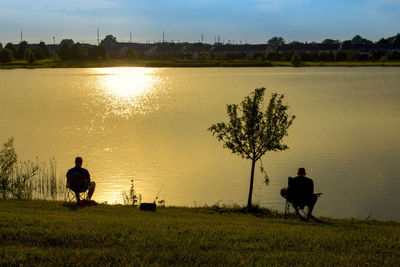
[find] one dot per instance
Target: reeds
(48, 185)
(34, 180)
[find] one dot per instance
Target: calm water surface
(150, 125)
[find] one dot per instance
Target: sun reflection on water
(125, 91)
(127, 82)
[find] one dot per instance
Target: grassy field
(49, 233)
(53, 63)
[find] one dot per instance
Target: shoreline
(257, 211)
(51, 63)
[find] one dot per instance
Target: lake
(150, 125)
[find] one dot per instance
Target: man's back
(300, 189)
(78, 178)
(78, 171)
(303, 184)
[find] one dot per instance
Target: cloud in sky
(254, 20)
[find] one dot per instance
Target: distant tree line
(376, 51)
(69, 50)
(23, 51)
(276, 50)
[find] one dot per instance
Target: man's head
(301, 172)
(78, 161)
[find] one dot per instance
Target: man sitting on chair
(78, 180)
(301, 192)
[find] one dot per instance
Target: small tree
(276, 42)
(131, 197)
(296, 59)
(255, 132)
(8, 159)
(64, 49)
(29, 56)
(109, 41)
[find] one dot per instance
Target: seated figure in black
(300, 192)
(78, 180)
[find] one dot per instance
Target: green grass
(55, 63)
(49, 233)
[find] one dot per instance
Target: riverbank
(49, 233)
(53, 63)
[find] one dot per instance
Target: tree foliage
(20, 53)
(39, 54)
(77, 51)
(97, 52)
(383, 41)
(64, 49)
(29, 56)
(251, 132)
(44, 48)
(395, 39)
(11, 47)
(276, 42)
(296, 59)
(6, 55)
(108, 41)
(273, 55)
(8, 159)
(69, 50)
(330, 41)
(360, 40)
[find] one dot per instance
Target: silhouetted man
(301, 192)
(78, 180)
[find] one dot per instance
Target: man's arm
(88, 176)
(312, 186)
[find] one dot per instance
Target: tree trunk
(253, 164)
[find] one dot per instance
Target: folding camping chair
(291, 203)
(76, 188)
